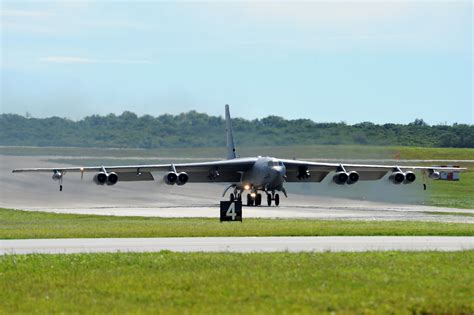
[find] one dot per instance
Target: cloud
(24, 13)
(84, 60)
(348, 25)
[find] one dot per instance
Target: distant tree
(419, 122)
(197, 129)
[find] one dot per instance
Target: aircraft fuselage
(267, 174)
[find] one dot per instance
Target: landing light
(253, 195)
(247, 187)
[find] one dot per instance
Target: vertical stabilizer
(230, 135)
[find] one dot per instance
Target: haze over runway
(37, 192)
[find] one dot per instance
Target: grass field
(303, 283)
(22, 224)
(177, 283)
(300, 151)
(451, 194)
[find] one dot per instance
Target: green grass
(300, 151)
(461, 214)
(17, 224)
(177, 283)
(453, 194)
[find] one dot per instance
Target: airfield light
(247, 187)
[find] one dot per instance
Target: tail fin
(230, 135)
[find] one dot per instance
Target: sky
(329, 61)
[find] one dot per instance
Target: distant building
(450, 175)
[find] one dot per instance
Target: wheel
(269, 200)
(232, 198)
(258, 200)
(277, 200)
(249, 200)
(239, 197)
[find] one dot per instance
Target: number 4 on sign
(231, 211)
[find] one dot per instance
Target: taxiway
(238, 244)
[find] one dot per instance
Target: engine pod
(112, 178)
(182, 178)
(353, 177)
(397, 177)
(100, 178)
(409, 177)
(340, 178)
(171, 178)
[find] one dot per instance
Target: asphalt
(238, 244)
(379, 200)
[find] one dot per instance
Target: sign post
(231, 211)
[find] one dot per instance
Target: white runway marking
(238, 244)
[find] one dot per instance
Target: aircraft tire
(232, 197)
(277, 200)
(269, 200)
(239, 197)
(249, 200)
(258, 200)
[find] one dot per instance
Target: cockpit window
(275, 163)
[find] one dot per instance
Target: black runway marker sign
(231, 211)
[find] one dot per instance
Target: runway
(238, 244)
(379, 200)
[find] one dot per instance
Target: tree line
(193, 129)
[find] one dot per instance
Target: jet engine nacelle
(397, 177)
(104, 178)
(171, 178)
(182, 178)
(340, 178)
(100, 178)
(349, 178)
(353, 178)
(112, 179)
(400, 177)
(409, 177)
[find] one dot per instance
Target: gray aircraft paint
(230, 135)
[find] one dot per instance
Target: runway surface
(238, 244)
(378, 200)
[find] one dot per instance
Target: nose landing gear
(257, 200)
(254, 201)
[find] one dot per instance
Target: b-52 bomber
(252, 175)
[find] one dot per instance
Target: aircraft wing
(296, 169)
(215, 171)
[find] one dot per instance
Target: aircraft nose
(279, 173)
